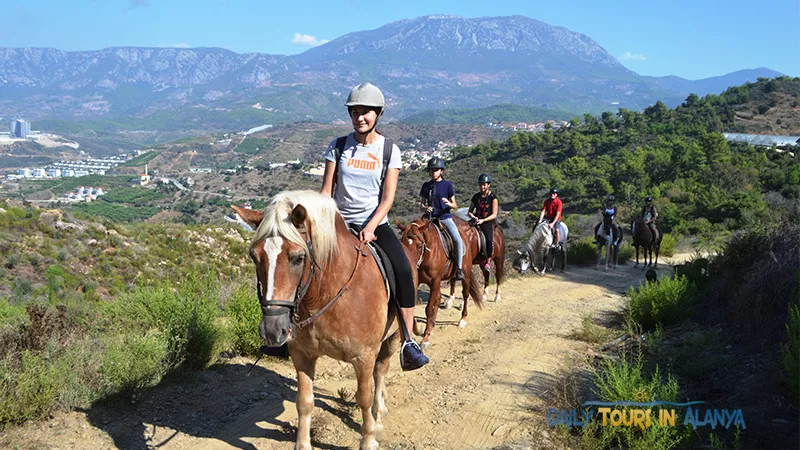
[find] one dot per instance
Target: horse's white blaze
(272, 247)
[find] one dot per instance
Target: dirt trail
(482, 389)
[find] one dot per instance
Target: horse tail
(500, 259)
(476, 291)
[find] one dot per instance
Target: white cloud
(632, 56)
(307, 39)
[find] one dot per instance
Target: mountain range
(425, 63)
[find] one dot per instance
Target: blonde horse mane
(322, 214)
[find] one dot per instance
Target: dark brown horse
(498, 256)
(322, 293)
(643, 237)
(421, 238)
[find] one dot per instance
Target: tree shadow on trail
(220, 403)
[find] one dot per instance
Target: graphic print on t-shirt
(364, 164)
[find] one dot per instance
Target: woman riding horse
(438, 199)
(483, 211)
(364, 198)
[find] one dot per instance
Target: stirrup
(417, 362)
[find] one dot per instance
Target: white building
(53, 172)
(144, 178)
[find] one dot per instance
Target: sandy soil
(484, 387)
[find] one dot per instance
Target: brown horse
(322, 293)
(498, 256)
(421, 239)
(643, 237)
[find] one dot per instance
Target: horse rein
(424, 245)
(279, 307)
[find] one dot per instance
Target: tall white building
(20, 128)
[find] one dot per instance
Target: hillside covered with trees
(702, 184)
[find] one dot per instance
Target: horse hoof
(497, 298)
(447, 303)
(485, 292)
(371, 444)
(462, 323)
(424, 345)
(378, 428)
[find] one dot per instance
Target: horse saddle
(482, 245)
(447, 241)
(384, 264)
(481, 240)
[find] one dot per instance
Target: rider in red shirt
(552, 211)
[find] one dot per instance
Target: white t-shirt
(358, 188)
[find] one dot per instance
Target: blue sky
(691, 39)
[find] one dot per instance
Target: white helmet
(366, 94)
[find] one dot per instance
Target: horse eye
(297, 260)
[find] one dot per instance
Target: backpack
(388, 147)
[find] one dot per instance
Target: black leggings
(487, 228)
(390, 244)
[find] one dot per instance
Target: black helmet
(435, 163)
(648, 200)
(484, 178)
(610, 198)
(554, 190)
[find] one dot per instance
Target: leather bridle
(281, 307)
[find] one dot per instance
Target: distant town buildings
(82, 193)
(19, 128)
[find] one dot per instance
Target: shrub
(582, 252)
(28, 388)
(245, 315)
(23, 288)
(664, 302)
(134, 361)
(623, 380)
(11, 314)
(187, 318)
(35, 259)
(626, 253)
(791, 352)
(668, 245)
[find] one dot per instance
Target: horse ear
(250, 216)
(400, 225)
(298, 215)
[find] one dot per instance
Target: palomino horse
(539, 249)
(421, 238)
(609, 235)
(322, 293)
(498, 256)
(643, 237)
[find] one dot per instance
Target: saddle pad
(447, 241)
(386, 269)
(385, 266)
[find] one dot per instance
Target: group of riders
(364, 192)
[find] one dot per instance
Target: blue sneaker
(411, 356)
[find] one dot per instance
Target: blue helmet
(484, 178)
